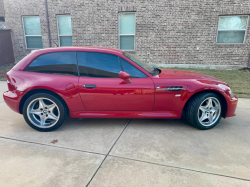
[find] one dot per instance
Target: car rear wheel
(204, 111)
(44, 112)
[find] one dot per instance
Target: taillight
(10, 86)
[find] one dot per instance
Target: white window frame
(58, 28)
(119, 13)
(31, 35)
(232, 30)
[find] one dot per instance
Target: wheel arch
(32, 92)
(221, 96)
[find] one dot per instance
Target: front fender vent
(173, 88)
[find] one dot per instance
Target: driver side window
(99, 65)
(132, 70)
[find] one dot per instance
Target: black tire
(61, 110)
(191, 110)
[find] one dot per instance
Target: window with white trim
(232, 29)
(64, 30)
(127, 31)
(32, 32)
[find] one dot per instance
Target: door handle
(89, 86)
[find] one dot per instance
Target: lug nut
(41, 113)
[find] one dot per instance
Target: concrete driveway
(3, 88)
(124, 152)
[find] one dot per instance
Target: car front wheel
(204, 111)
(44, 112)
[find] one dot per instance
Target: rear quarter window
(60, 63)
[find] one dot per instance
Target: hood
(182, 74)
(191, 79)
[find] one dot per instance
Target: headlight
(231, 92)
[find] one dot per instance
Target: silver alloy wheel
(43, 112)
(209, 111)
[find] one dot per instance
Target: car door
(101, 89)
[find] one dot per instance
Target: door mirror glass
(125, 76)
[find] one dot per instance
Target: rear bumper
(12, 99)
(231, 107)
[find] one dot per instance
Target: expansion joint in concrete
(108, 152)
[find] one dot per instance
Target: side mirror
(125, 76)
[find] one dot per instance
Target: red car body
(112, 97)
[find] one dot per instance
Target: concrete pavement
(26, 164)
(126, 172)
(224, 150)
(124, 152)
(3, 88)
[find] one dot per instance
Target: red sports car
(93, 82)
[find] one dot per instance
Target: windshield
(145, 66)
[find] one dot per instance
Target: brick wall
(172, 32)
(1, 9)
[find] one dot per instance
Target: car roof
(79, 48)
(26, 60)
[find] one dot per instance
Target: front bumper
(12, 99)
(231, 107)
